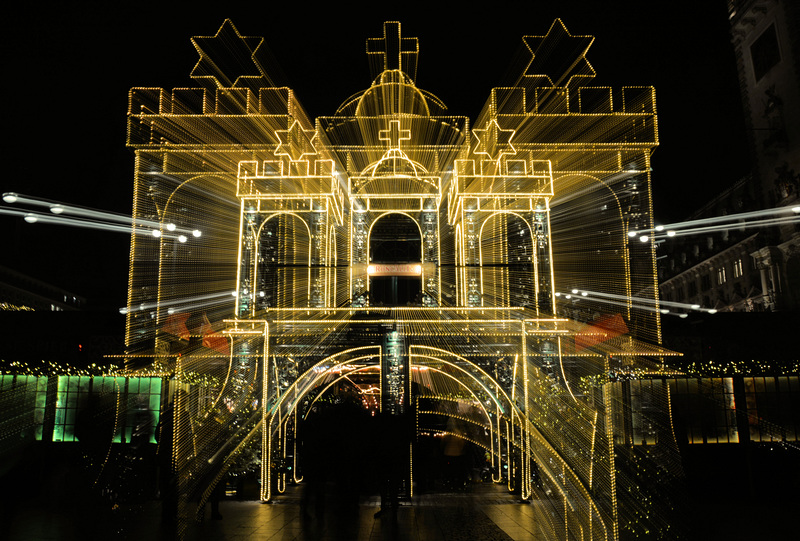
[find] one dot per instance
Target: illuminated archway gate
(259, 206)
(282, 405)
(566, 492)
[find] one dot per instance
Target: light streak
(40, 218)
(758, 218)
(183, 303)
(87, 217)
(643, 307)
(643, 300)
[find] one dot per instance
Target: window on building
(22, 405)
(705, 282)
(721, 278)
(144, 405)
(97, 397)
(705, 409)
(723, 427)
(645, 410)
(773, 408)
(738, 268)
(765, 52)
(72, 390)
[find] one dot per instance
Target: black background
(69, 66)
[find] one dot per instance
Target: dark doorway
(395, 290)
(395, 238)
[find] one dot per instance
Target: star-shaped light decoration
(228, 59)
(559, 56)
(296, 142)
(494, 141)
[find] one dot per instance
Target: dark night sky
(69, 67)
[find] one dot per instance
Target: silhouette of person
(392, 434)
(168, 478)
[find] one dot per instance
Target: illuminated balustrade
(268, 184)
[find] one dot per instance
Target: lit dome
(395, 163)
(392, 92)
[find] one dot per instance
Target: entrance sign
(394, 269)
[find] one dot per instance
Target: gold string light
(273, 300)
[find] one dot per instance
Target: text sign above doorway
(394, 269)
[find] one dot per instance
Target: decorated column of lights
(276, 303)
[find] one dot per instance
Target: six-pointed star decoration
(296, 142)
(227, 57)
(559, 56)
(494, 141)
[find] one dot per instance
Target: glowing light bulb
(182, 238)
(670, 233)
(644, 238)
(575, 291)
(712, 311)
(196, 233)
(632, 233)
(659, 228)
(10, 197)
(170, 227)
(156, 233)
(31, 218)
(57, 209)
(695, 306)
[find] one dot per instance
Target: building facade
(752, 269)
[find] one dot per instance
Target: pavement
(484, 513)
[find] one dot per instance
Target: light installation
(414, 258)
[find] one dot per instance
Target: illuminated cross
(394, 134)
(394, 47)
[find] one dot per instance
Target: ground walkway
(485, 513)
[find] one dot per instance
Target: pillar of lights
(396, 248)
